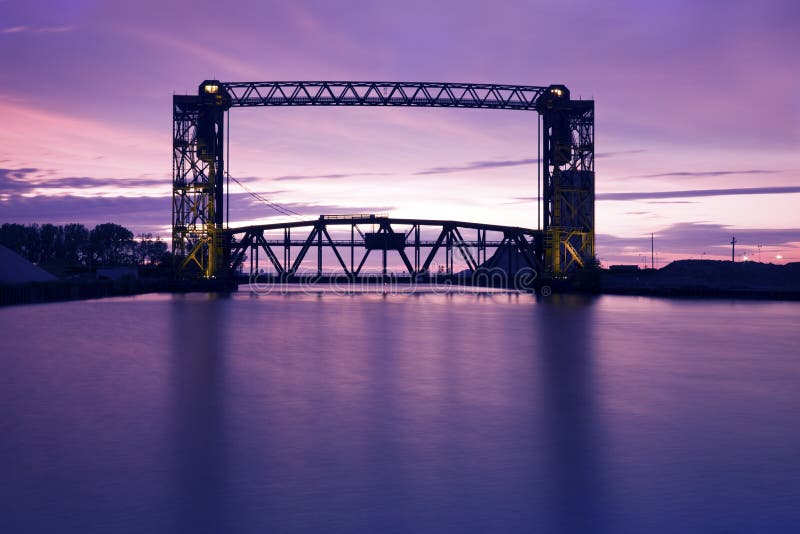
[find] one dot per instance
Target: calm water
(405, 413)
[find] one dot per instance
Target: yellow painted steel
(211, 230)
(575, 255)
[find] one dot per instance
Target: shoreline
(69, 290)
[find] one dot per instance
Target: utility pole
(652, 248)
(733, 248)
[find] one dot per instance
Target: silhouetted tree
(76, 243)
(14, 237)
(24, 240)
(150, 250)
(51, 243)
(111, 244)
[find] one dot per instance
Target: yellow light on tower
(211, 88)
(556, 91)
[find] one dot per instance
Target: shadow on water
(575, 453)
(198, 415)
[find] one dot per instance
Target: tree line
(74, 244)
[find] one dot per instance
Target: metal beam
(335, 250)
(303, 251)
(417, 94)
(270, 254)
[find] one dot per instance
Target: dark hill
(708, 277)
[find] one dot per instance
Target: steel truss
(520, 247)
(458, 95)
(568, 185)
(198, 168)
(203, 247)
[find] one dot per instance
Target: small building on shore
(117, 273)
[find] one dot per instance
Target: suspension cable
(539, 172)
(261, 198)
(228, 173)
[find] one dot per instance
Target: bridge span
(205, 246)
(411, 244)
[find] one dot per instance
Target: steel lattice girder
(524, 241)
(420, 94)
(189, 186)
(197, 187)
(568, 169)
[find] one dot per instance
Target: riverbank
(81, 289)
(684, 278)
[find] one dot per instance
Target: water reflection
(399, 413)
(579, 498)
(198, 413)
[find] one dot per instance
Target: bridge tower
(199, 240)
(568, 179)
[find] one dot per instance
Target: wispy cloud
(28, 180)
(690, 193)
(296, 177)
(620, 153)
(705, 174)
(210, 56)
(477, 165)
(34, 29)
(494, 164)
(694, 237)
(464, 167)
(146, 214)
(671, 202)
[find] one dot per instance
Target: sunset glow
(688, 145)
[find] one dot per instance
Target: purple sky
(697, 126)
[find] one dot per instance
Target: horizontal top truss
(419, 94)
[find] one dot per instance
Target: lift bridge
(205, 246)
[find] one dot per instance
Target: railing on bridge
(354, 216)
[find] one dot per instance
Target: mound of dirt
(14, 269)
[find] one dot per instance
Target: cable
(539, 173)
(228, 173)
(277, 207)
